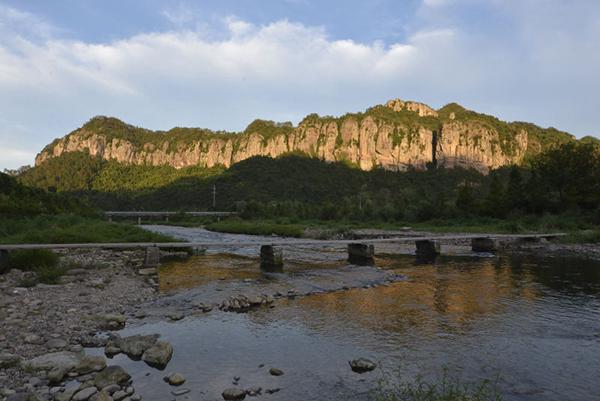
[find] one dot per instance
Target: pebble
(233, 394)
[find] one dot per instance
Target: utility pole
(214, 196)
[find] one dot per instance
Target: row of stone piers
(271, 256)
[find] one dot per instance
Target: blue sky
(220, 64)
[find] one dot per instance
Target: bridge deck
(274, 241)
(164, 213)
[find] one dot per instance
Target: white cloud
(285, 70)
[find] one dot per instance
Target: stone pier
(271, 258)
(484, 245)
(427, 248)
(4, 254)
(361, 254)
(152, 258)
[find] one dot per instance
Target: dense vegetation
(564, 180)
(34, 215)
(19, 200)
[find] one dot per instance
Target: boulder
(159, 355)
(111, 375)
(362, 365)
(63, 360)
(89, 364)
(135, 346)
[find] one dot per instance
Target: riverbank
(104, 288)
(578, 232)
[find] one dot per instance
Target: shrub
(30, 259)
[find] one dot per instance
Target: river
(529, 324)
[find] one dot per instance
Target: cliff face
(393, 136)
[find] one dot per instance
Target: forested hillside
(560, 179)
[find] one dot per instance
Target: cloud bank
(544, 69)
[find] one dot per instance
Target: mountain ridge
(396, 136)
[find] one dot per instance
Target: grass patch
(446, 389)
(50, 275)
(63, 229)
(42, 262)
(28, 259)
(582, 237)
(257, 227)
(578, 230)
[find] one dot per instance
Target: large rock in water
(362, 365)
(159, 355)
(134, 346)
(111, 375)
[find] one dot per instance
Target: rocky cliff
(393, 136)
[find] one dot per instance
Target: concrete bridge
(359, 251)
(139, 214)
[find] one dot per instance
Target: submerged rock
(159, 355)
(362, 365)
(242, 303)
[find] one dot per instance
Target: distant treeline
(564, 178)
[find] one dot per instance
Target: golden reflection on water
(197, 271)
(451, 297)
(451, 293)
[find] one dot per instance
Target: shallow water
(532, 324)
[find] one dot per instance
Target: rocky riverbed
(47, 328)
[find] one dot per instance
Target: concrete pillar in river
(4, 254)
(271, 258)
(152, 258)
(484, 244)
(361, 254)
(427, 247)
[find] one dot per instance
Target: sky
(220, 64)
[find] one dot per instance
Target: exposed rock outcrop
(394, 136)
